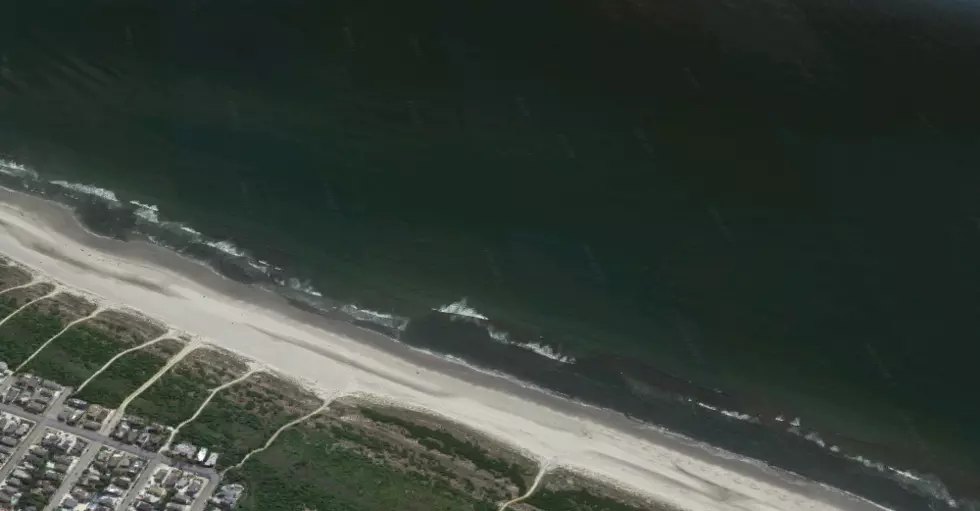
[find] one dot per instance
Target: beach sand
(333, 357)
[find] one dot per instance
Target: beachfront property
(32, 393)
(169, 488)
(196, 455)
(42, 469)
(76, 412)
(226, 497)
(105, 481)
(139, 432)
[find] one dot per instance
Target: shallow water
(769, 208)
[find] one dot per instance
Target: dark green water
(778, 201)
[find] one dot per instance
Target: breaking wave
(463, 311)
(12, 168)
(102, 193)
(379, 318)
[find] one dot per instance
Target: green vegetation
(578, 500)
(75, 355)
(123, 377)
(235, 423)
(306, 468)
(174, 397)
(22, 334)
(7, 306)
(447, 443)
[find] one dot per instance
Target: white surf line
(117, 415)
(204, 405)
(32, 302)
(275, 435)
(534, 486)
(168, 335)
(97, 310)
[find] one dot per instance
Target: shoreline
(167, 287)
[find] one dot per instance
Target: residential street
(97, 440)
(74, 474)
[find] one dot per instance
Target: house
(202, 454)
(6, 450)
(22, 429)
(121, 431)
(50, 385)
(22, 475)
(80, 495)
(69, 503)
(34, 407)
(77, 449)
(171, 479)
(94, 426)
(61, 468)
(9, 441)
(98, 413)
(212, 460)
(76, 403)
(143, 506)
(194, 488)
(184, 449)
(10, 428)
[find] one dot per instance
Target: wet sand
(331, 356)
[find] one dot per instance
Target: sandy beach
(336, 357)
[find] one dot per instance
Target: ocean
(755, 223)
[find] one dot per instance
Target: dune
(330, 357)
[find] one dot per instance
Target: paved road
(140, 482)
(205, 496)
(72, 477)
(28, 440)
(153, 458)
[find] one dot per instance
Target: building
(212, 460)
(184, 449)
(202, 454)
